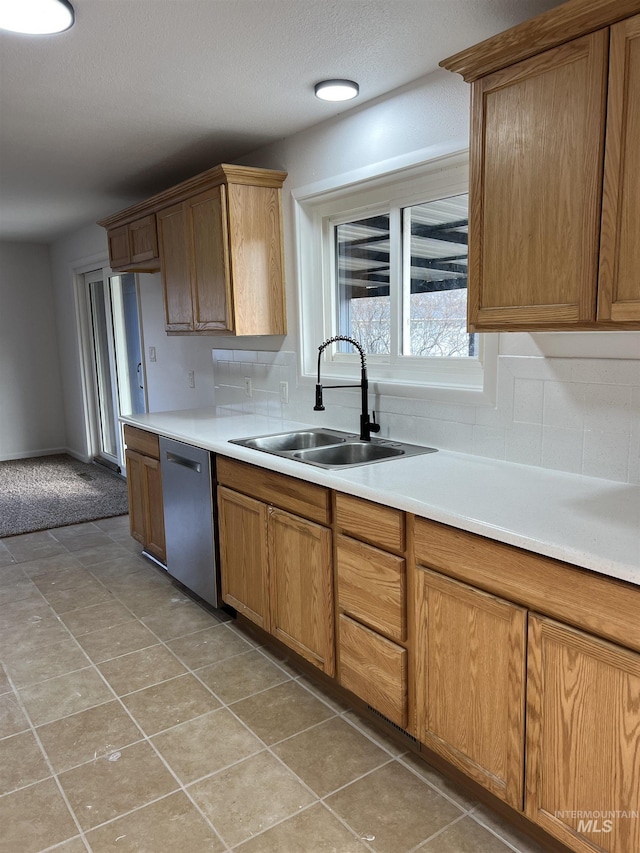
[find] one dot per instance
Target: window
(385, 261)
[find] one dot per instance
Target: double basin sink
(327, 448)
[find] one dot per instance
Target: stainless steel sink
(326, 448)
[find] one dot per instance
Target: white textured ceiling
(141, 94)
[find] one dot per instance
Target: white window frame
(317, 209)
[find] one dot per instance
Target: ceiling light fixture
(336, 90)
(36, 17)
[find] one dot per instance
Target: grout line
(439, 832)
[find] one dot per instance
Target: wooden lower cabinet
(276, 565)
(242, 524)
(583, 739)
(470, 681)
(301, 588)
(146, 508)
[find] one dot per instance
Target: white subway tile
(488, 441)
(606, 455)
(564, 404)
(607, 408)
(610, 371)
(528, 396)
(523, 444)
(562, 449)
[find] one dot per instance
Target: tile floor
(132, 719)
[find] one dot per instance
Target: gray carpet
(52, 491)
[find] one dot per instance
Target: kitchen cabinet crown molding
(550, 29)
(221, 174)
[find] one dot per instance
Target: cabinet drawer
(372, 586)
(374, 668)
(296, 496)
(371, 522)
(142, 441)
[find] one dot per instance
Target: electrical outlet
(248, 387)
(192, 378)
(284, 392)
(152, 353)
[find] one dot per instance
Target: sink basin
(349, 453)
(288, 441)
(327, 448)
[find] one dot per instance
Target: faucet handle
(373, 425)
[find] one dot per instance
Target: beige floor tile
(62, 561)
(33, 546)
(140, 669)
(34, 818)
(57, 579)
(313, 831)
(96, 618)
(135, 583)
(67, 694)
(88, 735)
(21, 762)
(177, 620)
(281, 711)
(121, 566)
(32, 635)
(209, 743)
(117, 640)
(163, 706)
(283, 659)
(17, 613)
(115, 524)
(395, 807)
(12, 719)
(465, 836)
(442, 783)
(100, 553)
(240, 676)
(9, 574)
(77, 597)
(506, 831)
(330, 755)
(18, 589)
(172, 824)
(6, 558)
(74, 845)
(111, 786)
(250, 797)
(147, 603)
(208, 646)
(29, 667)
(81, 540)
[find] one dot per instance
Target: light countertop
(585, 521)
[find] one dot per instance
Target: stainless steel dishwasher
(187, 491)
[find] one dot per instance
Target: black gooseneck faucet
(367, 425)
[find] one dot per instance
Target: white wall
(31, 411)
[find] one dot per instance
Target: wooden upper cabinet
(619, 293)
(218, 247)
(134, 246)
(583, 739)
(536, 177)
(555, 171)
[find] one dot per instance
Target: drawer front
(375, 669)
(372, 586)
(141, 441)
(288, 493)
(371, 522)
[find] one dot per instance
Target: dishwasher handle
(182, 460)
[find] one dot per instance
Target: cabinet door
(470, 681)
(154, 511)
(301, 588)
(143, 239)
(118, 239)
(136, 489)
(242, 523)
(212, 307)
(619, 286)
(173, 230)
(536, 183)
(583, 739)
(146, 508)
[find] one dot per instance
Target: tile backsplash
(570, 414)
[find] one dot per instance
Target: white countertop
(585, 521)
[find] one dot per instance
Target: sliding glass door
(118, 375)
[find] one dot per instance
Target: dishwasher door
(187, 491)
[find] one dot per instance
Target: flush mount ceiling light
(36, 17)
(336, 90)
